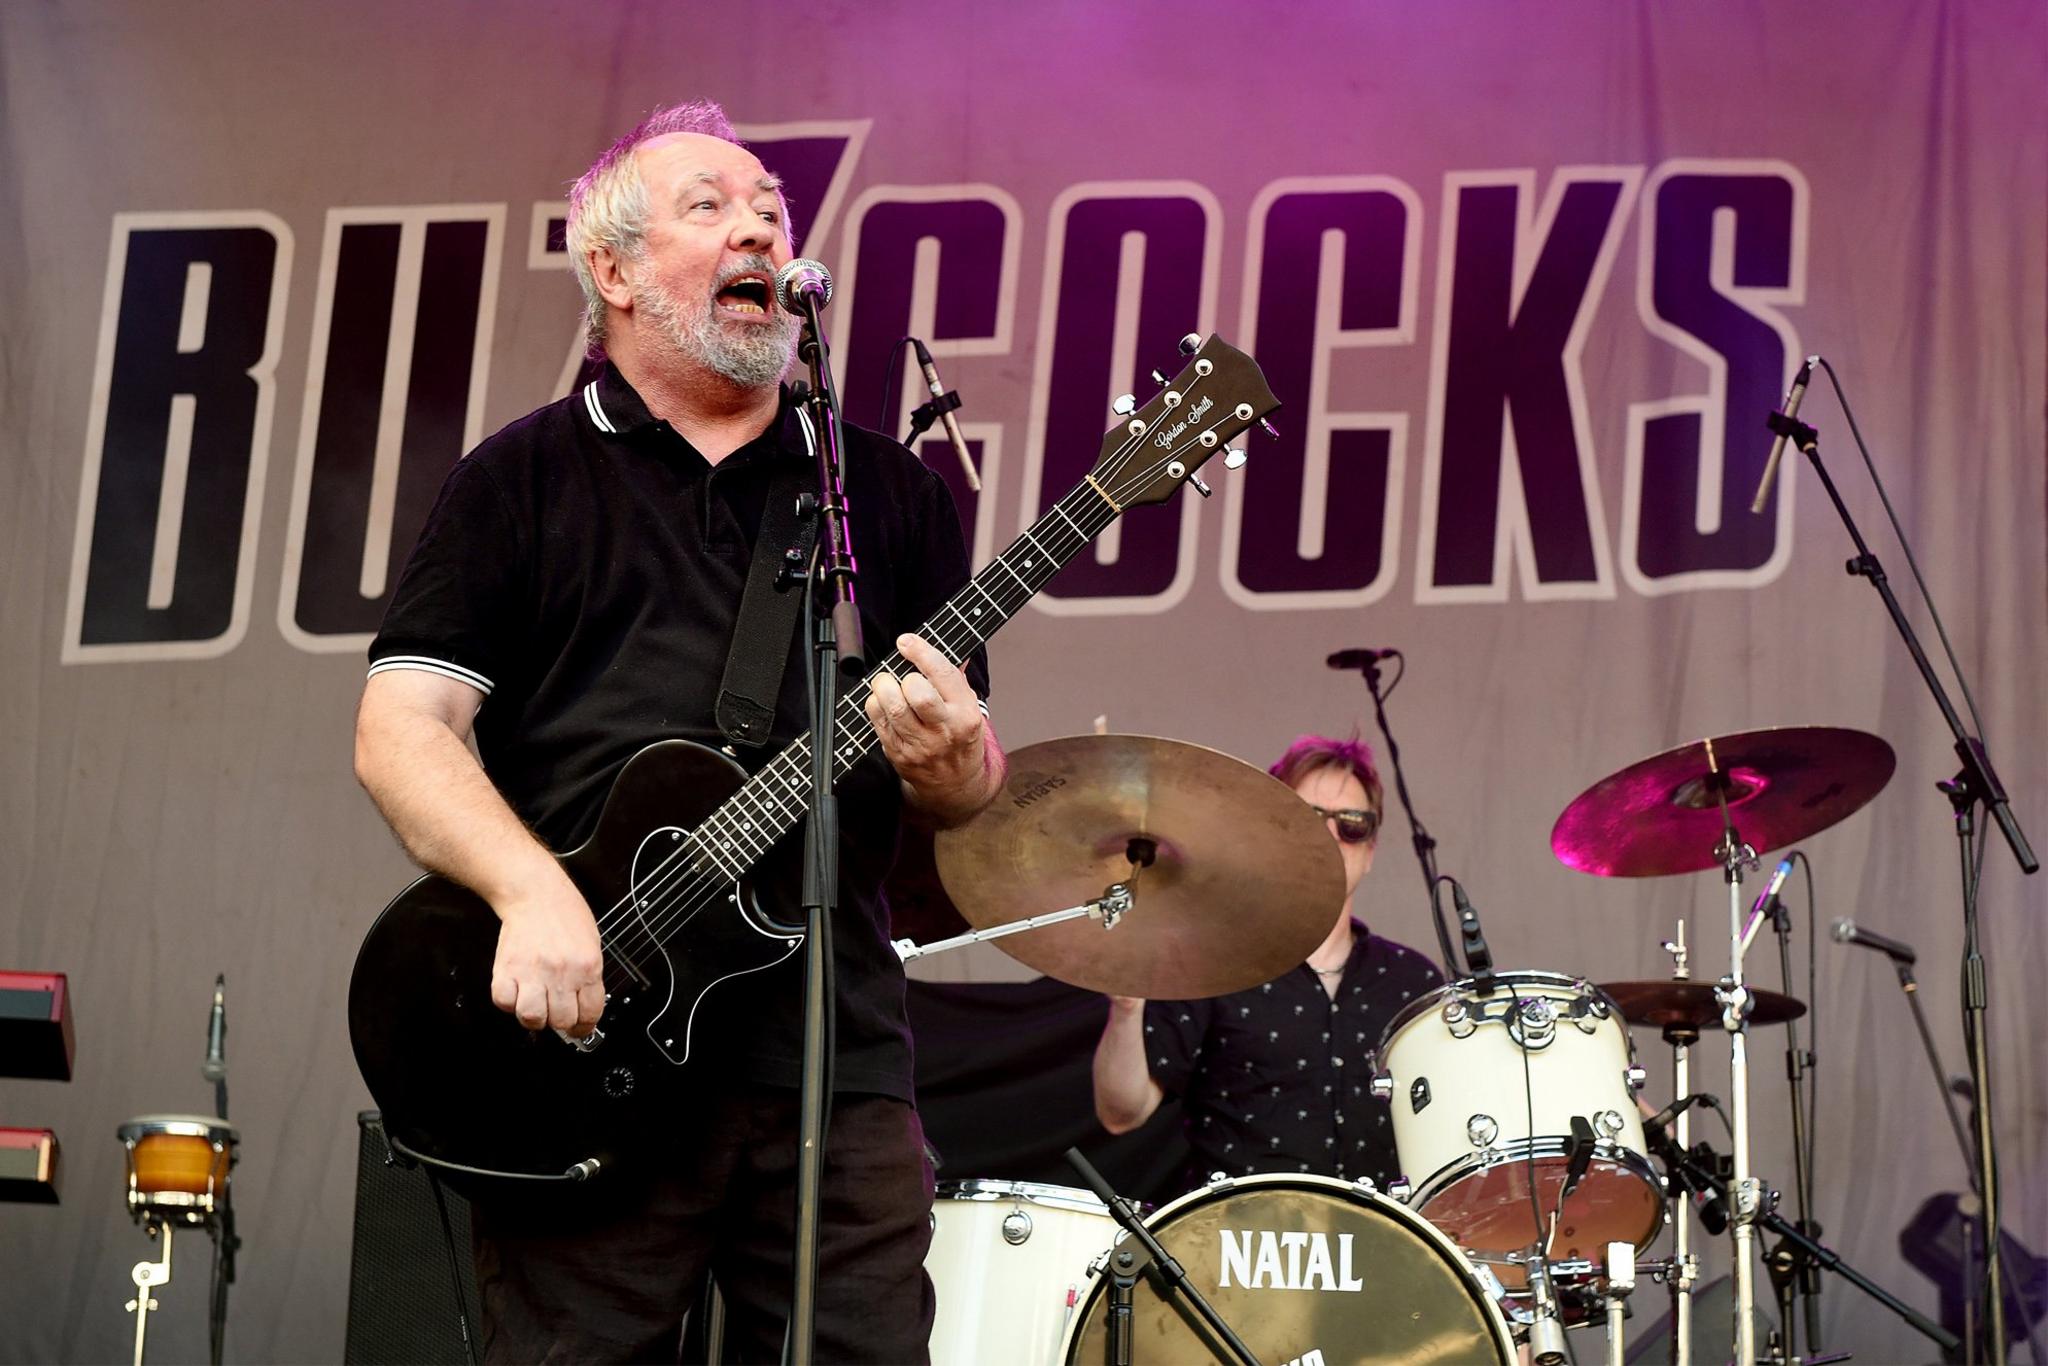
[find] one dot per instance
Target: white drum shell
(1584, 1070)
(1009, 1262)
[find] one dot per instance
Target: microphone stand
(1125, 1266)
(1425, 844)
(1687, 1170)
(838, 654)
(1790, 1267)
(1976, 784)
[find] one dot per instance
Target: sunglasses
(1353, 826)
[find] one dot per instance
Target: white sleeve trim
(434, 666)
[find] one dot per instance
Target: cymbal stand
(1684, 1265)
(147, 1277)
(1745, 1191)
(1116, 900)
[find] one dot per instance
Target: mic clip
(1802, 435)
(925, 414)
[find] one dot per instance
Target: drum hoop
(1363, 1192)
(1432, 1001)
(214, 1131)
(1544, 1148)
(991, 1191)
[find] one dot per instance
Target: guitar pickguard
(738, 934)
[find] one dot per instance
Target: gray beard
(748, 355)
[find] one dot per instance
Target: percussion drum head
(1301, 1264)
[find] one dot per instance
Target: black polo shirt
(583, 568)
(1278, 1078)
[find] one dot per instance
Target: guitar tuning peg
(1159, 379)
(1269, 429)
(1191, 343)
(1200, 487)
(1233, 458)
(1123, 405)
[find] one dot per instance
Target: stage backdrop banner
(1526, 278)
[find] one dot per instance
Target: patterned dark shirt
(1277, 1078)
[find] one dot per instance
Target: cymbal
(1659, 1005)
(1662, 814)
(1244, 883)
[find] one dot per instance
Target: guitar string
(693, 853)
(854, 735)
(854, 745)
(858, 741)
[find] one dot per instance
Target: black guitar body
(462, 1081)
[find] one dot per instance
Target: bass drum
(1303, 1268)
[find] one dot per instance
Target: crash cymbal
(1659, 1005)
(1663, 815)
(1244, 882)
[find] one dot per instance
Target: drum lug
(1458, 1019)
(1400, 1189)
(1481, 1130)
(1635, 1077)
(1383, 1085)
(1016, 1228)
(1608, 1124)
(1534, 1023)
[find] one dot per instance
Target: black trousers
(617, 1289)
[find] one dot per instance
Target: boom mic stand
(1975, 785)
(1425, 844)
(838, 654)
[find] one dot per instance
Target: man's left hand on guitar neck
(934, 733)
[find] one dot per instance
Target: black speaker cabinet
(402, 1299)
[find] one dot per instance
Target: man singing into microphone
(1278, 1078)
(572, 598)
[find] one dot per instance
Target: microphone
(215, 1068)
(1849, 932)
(1769, 899)
(1793, 398)
(803, 284)
(939, 401)
(1358, 659)
(1656, 1125)
(1478, 957)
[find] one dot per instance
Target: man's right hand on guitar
(549, 971)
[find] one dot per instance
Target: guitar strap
(768, 610)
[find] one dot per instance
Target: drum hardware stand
(1694, 1169)
(1685, 1266)
(1114, 903)
(147, 1277)
(1976, 784)
(1745, 1191)
(1125, 1265)
(1621, 1280)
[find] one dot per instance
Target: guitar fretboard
(769, 804)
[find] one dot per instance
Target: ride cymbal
(1662, 815)
(1244, 880)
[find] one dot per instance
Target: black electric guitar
(666, 872)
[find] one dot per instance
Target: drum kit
(1536, 1181)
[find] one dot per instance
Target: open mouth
(747, 295)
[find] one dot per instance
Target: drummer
(1277, 1078)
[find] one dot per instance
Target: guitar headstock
(1196, 414)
